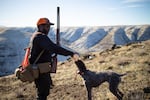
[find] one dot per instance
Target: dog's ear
(81, 66)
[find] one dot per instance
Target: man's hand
(75, 57)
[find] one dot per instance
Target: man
(40, 41)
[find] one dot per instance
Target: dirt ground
(131, 59)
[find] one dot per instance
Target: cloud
(134, 1)
(125, 6)
(112, 8)
(134, 6)
(129, 4)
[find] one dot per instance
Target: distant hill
(81, 39)
(132, 59)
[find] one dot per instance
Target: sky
(25, 13)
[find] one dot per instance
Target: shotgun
(54, 59)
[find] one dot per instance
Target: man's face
(46, 28)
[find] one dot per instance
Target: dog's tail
(122, 74)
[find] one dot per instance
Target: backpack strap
(38, 56)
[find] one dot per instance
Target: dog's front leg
(89, 92)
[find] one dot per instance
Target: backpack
(24, 71)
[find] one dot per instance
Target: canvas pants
(43, 86)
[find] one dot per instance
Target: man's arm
(48, 45)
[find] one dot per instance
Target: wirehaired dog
(93, 79)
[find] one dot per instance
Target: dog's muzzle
(79, 72)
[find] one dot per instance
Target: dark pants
(43, 86)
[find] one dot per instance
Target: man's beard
(45, 31)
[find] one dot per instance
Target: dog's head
(81, 66)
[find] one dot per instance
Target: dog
(93, 79)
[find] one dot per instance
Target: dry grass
(132, 59)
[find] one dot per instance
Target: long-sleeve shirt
(42, 42)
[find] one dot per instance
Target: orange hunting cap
(44, 21)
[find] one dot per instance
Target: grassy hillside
(133, 59)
